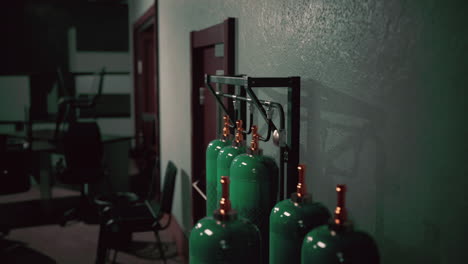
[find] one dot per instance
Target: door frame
(219, 33)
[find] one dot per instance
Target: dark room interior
(233, 131)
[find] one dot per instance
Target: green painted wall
(383, 106)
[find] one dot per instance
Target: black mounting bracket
(286, 136)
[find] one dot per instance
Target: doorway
(212, 51)
(146, 91)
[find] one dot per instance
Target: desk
(116, 149)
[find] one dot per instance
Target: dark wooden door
(149, 114)
(212, 53)
(146, 93)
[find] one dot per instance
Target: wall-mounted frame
(286, 133)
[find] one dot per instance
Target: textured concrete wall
(382, 106)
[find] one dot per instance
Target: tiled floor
(75, 243)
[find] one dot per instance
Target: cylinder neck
(301, 185)
(225, 211)
(239, 138)
(225, 203)
(341, 215)
(301, 194)
(226, 131)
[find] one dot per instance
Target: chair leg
(160, 246)
(102, 249)
(114, 259)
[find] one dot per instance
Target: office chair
(139, 217)
(84, 159)
(83, 151)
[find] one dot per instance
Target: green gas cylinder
(211, 156)
(227, 154)
(338, 242)
(225, 237)
(254, 188)
(290, 220)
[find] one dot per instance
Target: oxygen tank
(338, 242)
(227, 154)
(225, 237)
(212, 152)
(254, 188)
(291, 219)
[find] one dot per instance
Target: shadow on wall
(340, 143)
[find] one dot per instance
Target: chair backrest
(83, 151)
(150, 171)
(168, 188)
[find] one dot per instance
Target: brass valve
(226, 130)
(239, 132)
(254, 141)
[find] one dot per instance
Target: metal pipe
(251, 124)
(257, 103)
(263, 102)
(219, 101)
(249, 100)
